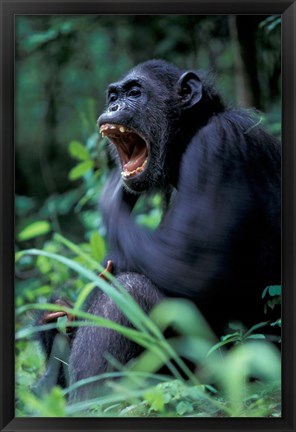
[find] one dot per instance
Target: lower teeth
(136, 171)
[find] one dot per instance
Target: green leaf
(230, 336)
(184, 407)
(61, 323)
(256, 336)
(255, 327)
(80, 169)
(273, 290)
(271, 26)
(155, 399)
(277, 323)
(44, 264)
(97, 246)
(78, 151)
(211, 389)
(34, 41)
(265, 291)
(83, 295)
(221, 344)
(34, 230)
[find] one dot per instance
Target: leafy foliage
(63, 66)
(135, 392)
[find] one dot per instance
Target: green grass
(243, 380)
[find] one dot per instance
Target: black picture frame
(8, 10)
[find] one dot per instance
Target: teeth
(127, 173)
(112, 126)
(138, 170)
(103, 134)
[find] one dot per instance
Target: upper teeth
(104, 127)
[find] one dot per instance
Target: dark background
(63, 64)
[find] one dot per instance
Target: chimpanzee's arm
(216, 224)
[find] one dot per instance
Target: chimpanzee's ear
(189, 89)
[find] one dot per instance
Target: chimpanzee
(219, 243)
(84, 349)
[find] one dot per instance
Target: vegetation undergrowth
(241, 381)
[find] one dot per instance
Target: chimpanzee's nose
(114, 108)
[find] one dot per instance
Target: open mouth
(131, 147)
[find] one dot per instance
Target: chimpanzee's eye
(134, 93)
(113, 97)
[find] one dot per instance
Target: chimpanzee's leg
(91, 344)
(56, 346)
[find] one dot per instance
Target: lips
(132, 148)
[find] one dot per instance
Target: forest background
(63, 66)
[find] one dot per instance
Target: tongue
(137, 159)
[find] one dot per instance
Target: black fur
(85, 349)
(91, 344)
(219, 243)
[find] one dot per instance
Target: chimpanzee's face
(135, 123)
(142, 120)
(121, 123)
